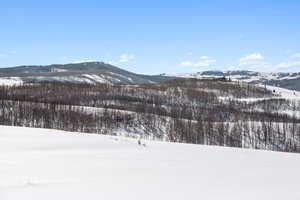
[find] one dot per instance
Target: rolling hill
(280, 79)
(88, 72)
(100, 72)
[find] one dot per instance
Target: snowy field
(10, 81)
(45, 164)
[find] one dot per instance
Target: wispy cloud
(126, 58)
(83, 61)
(256, 65)
(289, 64)
(251, 57)
(296, 55)
(254, 61)
(204, 62)
(204, 57)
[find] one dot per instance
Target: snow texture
(49, 164)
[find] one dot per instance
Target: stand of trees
(178, 111)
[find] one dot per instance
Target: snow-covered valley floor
(45, 164)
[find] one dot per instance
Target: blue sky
(153, 36)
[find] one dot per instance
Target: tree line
(188, 111)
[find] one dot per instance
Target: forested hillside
(212, 112)
(85, 72)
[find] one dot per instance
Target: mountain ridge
(86, 72)
(100, 72)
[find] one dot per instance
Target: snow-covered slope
(49, 164)
(285, 80)
(10, 81)
(247, 76)
(87, 72)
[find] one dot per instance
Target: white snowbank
(48, 164)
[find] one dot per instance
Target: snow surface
(284, 93)
(50, 164)
(96, 78)
(10, 81)
(278, 92)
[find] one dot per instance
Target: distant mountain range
(100, 72)
(88, 72)
(279, 79)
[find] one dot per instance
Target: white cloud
(292, 64)
(254, 62)
(296, 55)
(289, 64)
(186, 63)
(205, 61)
(249, 63)
(202, 63)
(254, 56)
(256, 65)
(126, 58)
(83, 60)
(204, 57)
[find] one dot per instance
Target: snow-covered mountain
(49, 164)
(100, 72)
(280, 79)
(88, 72)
